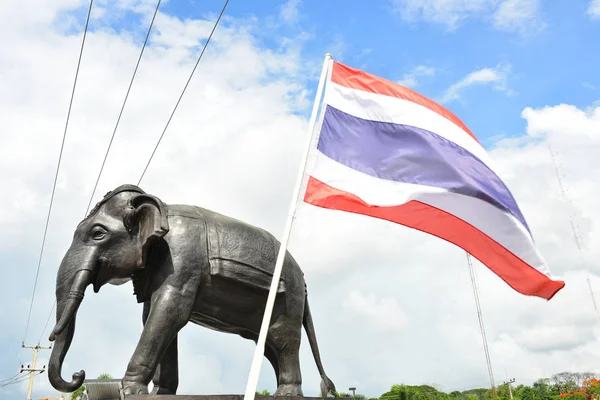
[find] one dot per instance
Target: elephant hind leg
(273, 358)
(270, 354)
(286, 336)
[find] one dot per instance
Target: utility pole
(31, 368)
(512, 380)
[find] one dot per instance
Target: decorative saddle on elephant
(241, 252)
(236, 250)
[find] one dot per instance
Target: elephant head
(108, 246)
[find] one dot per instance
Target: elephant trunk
(74, 275)
(59, 351)
(80, 282)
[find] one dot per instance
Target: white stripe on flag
(493, 222)
(377, 107)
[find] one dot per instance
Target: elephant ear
(149, 214)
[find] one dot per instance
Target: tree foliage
(561, 386)
(589, 390)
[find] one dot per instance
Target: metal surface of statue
(187, 264)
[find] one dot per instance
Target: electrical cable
(111, 139)
(184, 89)
(47, 322)
(11, 378)
(57, 170)
(166, 126)
(18, 380)
(122, 108)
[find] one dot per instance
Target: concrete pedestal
(111, 390)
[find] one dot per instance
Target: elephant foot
(130, 388)
(289, 390)
(162, 390)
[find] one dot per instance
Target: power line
(47, 322)
(21, 379)
(183, 91)
(57, 170)
(122, 108)
(14, 381)
(164, 130)
(11, 378)
(112, 138)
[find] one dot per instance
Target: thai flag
(387, 152)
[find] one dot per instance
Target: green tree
(523, 392)
(422, 392)
(480, 393)
(78, 392)
(357, 396)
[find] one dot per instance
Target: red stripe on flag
(517, 274)
(356, 79)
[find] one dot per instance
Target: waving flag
(387, 152)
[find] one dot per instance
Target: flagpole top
(328, 55)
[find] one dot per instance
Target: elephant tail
(327, 386)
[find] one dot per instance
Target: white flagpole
(262, 337)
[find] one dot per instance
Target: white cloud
(411, 79)
(172, 32)
(594, 9)
(338, 47)
(446, 12)
(289, 11)
(522, 16)
(496, 77)
(234, 146)
(549, 338)
(385, 314)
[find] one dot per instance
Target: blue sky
(497, 59)
(553, 65)
(550, 60)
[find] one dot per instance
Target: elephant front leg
(169, 312)
(166, 377)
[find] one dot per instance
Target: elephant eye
(98, 234)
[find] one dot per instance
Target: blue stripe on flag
(408, 154)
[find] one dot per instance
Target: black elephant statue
(186, 263)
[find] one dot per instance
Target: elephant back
(244, 253)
